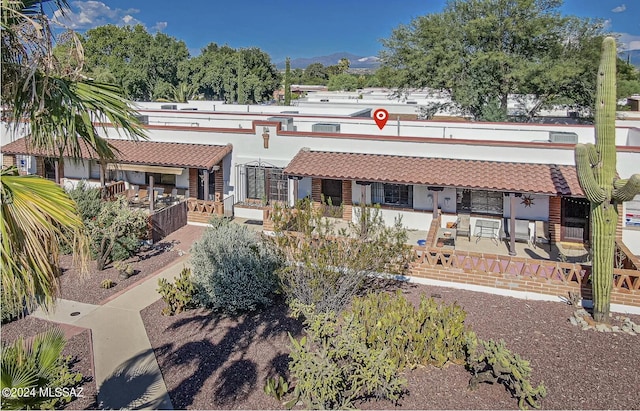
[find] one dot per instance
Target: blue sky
(305, 28)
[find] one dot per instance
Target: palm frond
(37, 215)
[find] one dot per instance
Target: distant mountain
(370, 62)
(632, 55)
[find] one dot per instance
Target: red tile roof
(490, 175)
(144, 152)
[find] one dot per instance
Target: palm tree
(34, 364)
(61, 107)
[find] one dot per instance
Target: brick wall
(347, 204)
(8, 160)
(193, 183)
(518, 282)
(316, 190)
(555, 205)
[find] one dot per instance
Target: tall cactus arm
(592, 190)
(626, 190)
(594, 157)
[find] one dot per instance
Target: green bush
(37, 364)
(496, 364)
(88, 199)
(234, 268)
(10, 307)
(116, 231)
(431, 334)
(178, 296)
(333, 367)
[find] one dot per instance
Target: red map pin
(381, 116)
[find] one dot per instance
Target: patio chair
(541, 233)
(522, 233)
(463, 226)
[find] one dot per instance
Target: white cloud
(628, 41)
(619, 9)
(606, 24)
(89, 14)
(159, 26)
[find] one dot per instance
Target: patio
(484, 245)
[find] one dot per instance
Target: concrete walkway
(126, 371)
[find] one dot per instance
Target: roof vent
(169, 107)
(326, 128)
(143, 119)
(287, 122)
(563, 137)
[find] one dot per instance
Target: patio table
(487, 228)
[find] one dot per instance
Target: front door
(575, 219)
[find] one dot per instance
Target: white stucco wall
(631, 239)
(539, 210)
(410, 220)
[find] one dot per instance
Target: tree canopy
(480, 51)
(224, 73)
(144, 65)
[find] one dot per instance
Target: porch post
(435, 204)
(151, 194)
(56, 169)
(206, 185)
(512, 224)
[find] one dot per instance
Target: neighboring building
(245, 158)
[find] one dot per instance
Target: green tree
(344, 82)
(59, 105)
(628, 79)
(596, 166)
(483, 50)
(141, 63)
(217, 70)
(287, 82)
(315, 73)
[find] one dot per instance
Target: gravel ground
(87, 288)
(213, 362)
(78, 347)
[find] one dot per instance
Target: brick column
(316, 190)
(555, 206)
(193, 183)
(620, 223)
(40, 166)
(8, 160)
(219, 183)
(347, 200)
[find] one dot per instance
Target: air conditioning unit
(563, 137)
(287, 122)
(143, 119)
(169, 107)
(326, 128)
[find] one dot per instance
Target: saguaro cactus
(596, 166)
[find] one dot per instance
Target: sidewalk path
(126, 371)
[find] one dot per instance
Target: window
(267, 183)
(392, 194)
(478, 201)
(169, 179)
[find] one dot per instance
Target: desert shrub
(327, 267)
(37, 364)
(107, 283)
(432, 334)
(333, 367)
(497, 364)
(116, 231)
(179, 295)
(11, 307)
(88, 199)
(233, 268)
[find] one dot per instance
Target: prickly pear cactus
(596, 167)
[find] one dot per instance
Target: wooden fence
(201, 211)
(167, 220)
